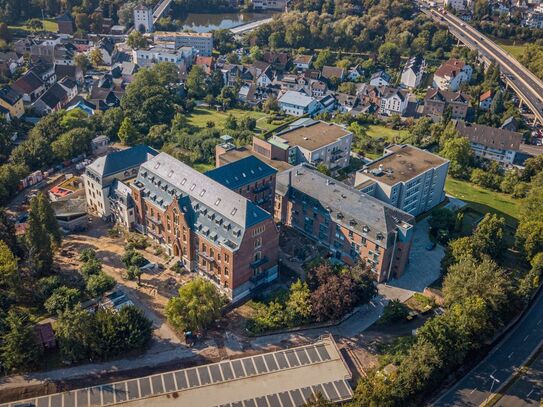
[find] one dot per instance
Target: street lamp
(494, 380)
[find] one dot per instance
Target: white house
(297, 103)
(302, 61)
(380, 78)
(485, 100)
(153, 55)
(393, 101)
(412, 72)
(451, 74)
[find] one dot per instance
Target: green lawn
(48, 25)
(483, 200)
(513, 47)
(200, 116)
(391, 135)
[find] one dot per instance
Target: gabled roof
(485, 96)
(346, 205)
(450, 68)
(185, 182)
(119, 161)
(490, 136)
(330, 72)
(27, 83)
(381, 74)
(53, 96)
(414, 63)
(295, 98)
(241, 172)
(9, 95)
(447, 96)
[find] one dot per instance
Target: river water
(205, 22)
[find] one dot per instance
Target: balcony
(260, 262)
(261, 188)
(206, 257)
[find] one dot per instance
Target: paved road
(527, 390)
(524, 82)
(501, 363)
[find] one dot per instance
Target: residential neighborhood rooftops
(241, 172)
(9, 95)
(401, 163)
(330, 72)
(492, 137)
(302, 59)
(312, 135)
(28, 83)
(295, 98)
(450, 68)
(447, 96)
(239, 153)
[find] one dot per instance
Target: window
(257, 256)
(258, 242)
(226, 258)
(226, 271)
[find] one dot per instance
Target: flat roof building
(203, 42)
(406, 177)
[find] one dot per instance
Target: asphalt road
(506, 357)
(527, 390)
(519, 77)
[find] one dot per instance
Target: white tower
(143, 19)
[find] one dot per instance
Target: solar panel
(120, 392)
(281, 360)
(297, 397)
(273, 400)
(343, 389)
(181, 380)
(95, 396)
(302, 356)
(43, 402)
(261, 402)
(313, 355)
(270, 361)
(249, 366)
(259, 363)
(292, 359)
(132, 390)
(193, 378)
(157, 384)
(216, 374)
(323, 352)
(318, 390)
(169, 382)
(331, 390)
(82, 398)
(227, 371)
(145, 386)
(107, 394)
(249, 403)
(238, 369)
(204, 375)
(308, 393)
(285, 399)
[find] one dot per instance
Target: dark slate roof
(166, 178)
(346, 205)
(27, 83)
(54, 95)
(10, 95)
(241, 172)
(119, 161)
(490, 136)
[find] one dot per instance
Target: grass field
(378, 131)
(483, 200)
(48, 25)
(200, 116)
(514, 48)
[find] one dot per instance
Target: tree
(442, 221)
(72, 143)
(298, 305)
(75, 331)
(270, 105)
(4, 32)
(394, 311)
(128, 134)
(9, 272)
(196, 82)
(389, 54)
(477, 279)
(34, 24)
(132, 257)
(48, 219)
(489, 236)
(231, 122)
(98, 284)
(19, 350)
(133, 273)
(87, 254)
(62, 299)
(95, 56)
(111, 121)
(196, 307)
(91, 267)
(458, 151)
(322, 168)
(136, 40)
(134, 328)
(83, 62)
(38, 241)
(529, 237)
(325, 57)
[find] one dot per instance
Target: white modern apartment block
(393, 101)
(269, 4)
(202, 42)
(412, 72)
(143, 18)
(104, 176)
(153, 55)
(297, 104)
(315, 142)
(406, 177)
(451, 74)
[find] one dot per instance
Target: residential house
(250, 177)
(485, 100)
(69, 71)
(12, 101)
(302, 62)
(412, 72)
(511, 124)
(451, 74)
(490, 143)
(333, 73)
(181, 56)
(108, 50)
(70, 86)
(380, 78)
(355, 73)
(52, 100)
(29, 86)
(104, 93)
(205, 62)
(437, 101)
(353, 226)
(9, 62)
(314, 142)
(406, 177)
(393, 101)
(45, 71)
(458, 5)
(278, 60)
(211, 229)
(298, 104)
(346, 102)
(317, 88)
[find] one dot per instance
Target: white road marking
(471, 392)
(526, 338)
(529, 394)
(511, 354)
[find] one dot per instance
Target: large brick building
(211, 229)
(352, 225)
(249, 177)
